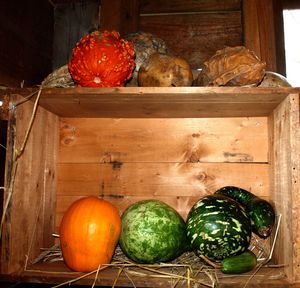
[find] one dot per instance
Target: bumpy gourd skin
(102, 59)
(218, 227)
(261, 212)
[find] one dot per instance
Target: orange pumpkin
(89, 232)
(102, 59)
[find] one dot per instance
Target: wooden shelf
(161, 102)
(56, 273)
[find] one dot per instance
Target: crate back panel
(175, 160)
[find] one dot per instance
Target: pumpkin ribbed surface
(102, 59)
(89, 232)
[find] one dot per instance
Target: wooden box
(129, 144)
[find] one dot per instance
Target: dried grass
(188, 270)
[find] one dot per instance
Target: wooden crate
(133, 143)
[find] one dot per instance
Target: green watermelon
(218, 227)
(152, 232)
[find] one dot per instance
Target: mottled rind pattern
(260, 211)
(218, 227)
(152, 232)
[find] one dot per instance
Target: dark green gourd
(218, 227)
(261, 212)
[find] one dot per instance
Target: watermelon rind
(152, 232)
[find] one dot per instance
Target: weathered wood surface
(188, 140)
(263, 32)
(175, 160)
(195, 36)
(162, 102)
(284, 188)
(59, 273)
(194, 30)
(30, 216)
(120, 15)
(72, 20)
(173, 6)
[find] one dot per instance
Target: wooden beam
(119, 15)
(263, 32)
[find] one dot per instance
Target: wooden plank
(285, 187)
(153, 179)
(178, 184)
(173, 6)
(110, 17)
(119, 15)
(106, 140)
(197, 36)
(166, 102)
(263, 32)
(29, 219)
(59, 273)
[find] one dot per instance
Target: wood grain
(263, 32)
(162, 102)
(285, 187)
(178, 184)
(59, 273)
(195, 37)
(173, 159)
(187, 140)
(120, 15)
(172, 6)
(30, 217)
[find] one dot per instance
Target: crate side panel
(30, 216)
(185, 140)
(284, 183)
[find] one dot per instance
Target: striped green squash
(218, 227)
(152, 232)
(260, 211)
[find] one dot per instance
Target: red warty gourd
(89, 232)
(102, 59)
